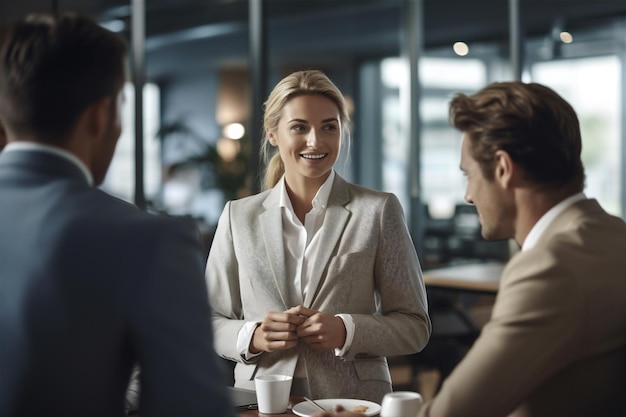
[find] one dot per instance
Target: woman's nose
(311, 139)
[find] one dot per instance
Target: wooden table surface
(483, 277)
(293, 400)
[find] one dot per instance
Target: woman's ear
(271, 138)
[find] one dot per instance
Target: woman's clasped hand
(283, 330)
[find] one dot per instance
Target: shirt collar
(545, 220)
(33, 146)
(320, 199)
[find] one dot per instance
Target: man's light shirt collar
(547, 218)
(32, 146)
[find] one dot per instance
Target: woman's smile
(313, 156)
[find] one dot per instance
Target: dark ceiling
(183, 35)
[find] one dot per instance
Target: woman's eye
(297, 128)
(330, 127)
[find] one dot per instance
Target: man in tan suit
(556, 342)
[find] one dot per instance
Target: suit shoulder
(250, 203)
(359, 192)
(574, 244)
(120, 216)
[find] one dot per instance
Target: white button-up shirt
(302, 243)
(545, 220)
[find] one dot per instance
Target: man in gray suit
(89, 285)
(556, 341)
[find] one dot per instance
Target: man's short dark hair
(52, 68)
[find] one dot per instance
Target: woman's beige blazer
(367, 267)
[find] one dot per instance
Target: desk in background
(456, 288)
(483, 277)
(455, 295)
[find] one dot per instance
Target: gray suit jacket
(90, 285)
(556, 341)
(366, 267)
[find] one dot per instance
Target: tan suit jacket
(556, 342)
(367, 267)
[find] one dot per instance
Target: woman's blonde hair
(296, 84)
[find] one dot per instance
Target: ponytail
(274, 171)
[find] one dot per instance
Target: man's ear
(3, 136)
(98, 114)
(505, 169)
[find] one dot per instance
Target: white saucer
(304, 409)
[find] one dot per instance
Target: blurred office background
(206, 66)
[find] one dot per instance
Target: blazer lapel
(335, 221)
(271, 226)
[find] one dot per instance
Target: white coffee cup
(401, 404)
(272, 393)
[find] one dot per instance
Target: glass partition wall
(588, 71)
(198, 72)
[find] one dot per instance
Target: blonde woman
(314, 277)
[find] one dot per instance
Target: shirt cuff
(244, 337)
(349, 323)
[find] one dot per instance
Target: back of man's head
(51, 69)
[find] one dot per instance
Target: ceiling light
(566, 37)
(234, 131)
(460, 48)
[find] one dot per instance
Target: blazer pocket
(354, 264)
(350, 260)
(373, 369)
